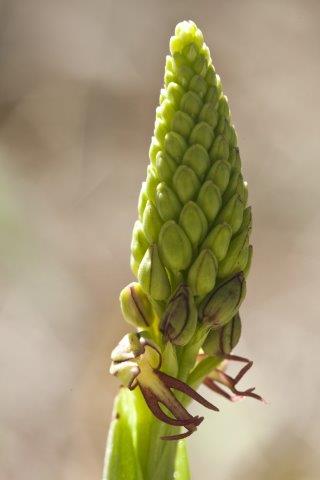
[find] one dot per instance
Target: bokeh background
(79, 83)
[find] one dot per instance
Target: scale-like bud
(232, 262)
(202, 273)
(167, 202)
(186, 183)
(174, 245)
(223, 340)
(218, 240)
(219, 173)
(136, 307)
(152, 275)
(179, 321)
(194, 222)
(139, 243)
(219, 307)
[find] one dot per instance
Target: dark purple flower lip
(219, 377)
(161, 393)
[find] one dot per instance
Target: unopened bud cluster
(190, 246)
(193, 225)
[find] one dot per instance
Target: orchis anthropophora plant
(191, 255)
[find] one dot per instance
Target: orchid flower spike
(191, 256)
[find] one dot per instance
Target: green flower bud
(179, 321)
(193, 222)
(200, 66)
(152, 275)
(166, 166)
(155, 147)
(139, 243)
(219, 174)
(238, 245)
(151, 222)
(175, 93)
(209, 115)
(223, 108)
(160, 129)
(178, 59)
(183, 74)
(166, 111)
(182, 123)
(235, 179)
(232, 213)
(228, 132)
(151, 182)
(143, 198)
(186, 183)
(198, 85)
(186, 32)
(210, 76)
(136, 307)
(175, 145)
(218, 240)
(209, 199)
(174, 245)
(219, 149)
(202, 134)
(190, 52)
(219, 307)
(197, 158)
(191, 104)
(213, 95)
(223, 340)
(202, 273)
(167, 202)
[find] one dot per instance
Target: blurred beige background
(79, 83)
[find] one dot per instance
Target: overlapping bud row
(193, 225)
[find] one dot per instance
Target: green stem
(156, 457)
